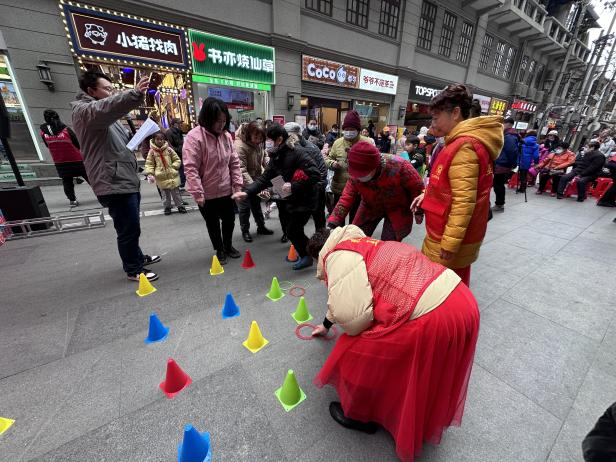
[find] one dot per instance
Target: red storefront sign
(525, 106)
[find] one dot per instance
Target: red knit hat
(352, 120)
(363, 158)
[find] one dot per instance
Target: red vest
(398, 274)
(62, 148)
(437, 199)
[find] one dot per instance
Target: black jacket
(331, 137)
(285, 162)
(176, 140)
(590, 164)
(315, 154)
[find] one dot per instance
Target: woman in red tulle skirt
(411, 328)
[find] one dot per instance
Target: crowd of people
(382, 292)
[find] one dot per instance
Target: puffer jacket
(295, 166)
(338, 153)
(463, 176)
(164, 164)
(555, 161)
(253, 159)
(111, 167)
(529, 152)
(315, 154)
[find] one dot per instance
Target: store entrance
(326, 112)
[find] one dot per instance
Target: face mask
(559, 151)
(350, 134)
(312, 127)
(365, 179)
(334, 131)
(269, 145)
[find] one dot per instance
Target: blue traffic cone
(157, 332)
(230, 309)
(195, 447)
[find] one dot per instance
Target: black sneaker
(264, 231)
(149, 274)
(246, 236)
(232, 252)
(167, 210)
(182, 209)
(284, 239)
(335, 410)
(79, 180)
(150, 260)
(222, 257)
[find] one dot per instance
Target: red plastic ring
(293, 294)
(299, 335)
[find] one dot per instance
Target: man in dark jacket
(505, 163)
(110, 165)
(175, 137)
(300, 174)
(318, 215)
(586, 168)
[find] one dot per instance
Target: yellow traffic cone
(255, 340)
(145, 286)
(290, 394)
(5, 424)
(216, 268)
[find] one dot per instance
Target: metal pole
(11, 158)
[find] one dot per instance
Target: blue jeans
(124, 210)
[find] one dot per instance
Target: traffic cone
(5, 424)
(290, 394)
(176, 379)
(255, 340)
(145, 286)
(248, 263)
(230, 308)
(195, 447)
(216, 268)
(157, 331)
(301, 313)
(292, 256)
(275, 293)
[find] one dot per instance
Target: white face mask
(559, 151)
(350, 134)
(269, 144)
(365, 179)
(312, 127)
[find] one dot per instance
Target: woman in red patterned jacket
(386, 186)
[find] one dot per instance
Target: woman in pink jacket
(213, 174)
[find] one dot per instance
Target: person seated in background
(609, 197)
(553, 166)
(413, 153)
(587, 168)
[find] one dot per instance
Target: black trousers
(69, 185)
(215, 212)
(545, 177)
(295, 231)
(523, 180)
(283, 215)
(252, 203)
(354, 208)
(500, 180)
(581, 184)
(319, 214)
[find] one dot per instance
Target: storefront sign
(218, 56)
(124, 39)
(279, 119)
(521, 125)
(525, 106)
(231, 82)
(329, 72)
(422, 91)
(497, 107)
(484, 101)
(378, 81)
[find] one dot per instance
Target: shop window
(486, 49)
(426, 25)
(447, 33)
(509, 62)
(388, 20)
(321, 6)
(357, 12)
(531, 72)
(466, 38)
(498, 57)
(523, 66)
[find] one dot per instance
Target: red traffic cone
(248, 262)
(176, 379)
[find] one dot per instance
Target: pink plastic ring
(299, 335)
(299, 288)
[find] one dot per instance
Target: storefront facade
(126, 48)
(522, 112)
(421, 93)
(240, 73)
(330, 89)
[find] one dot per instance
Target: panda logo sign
(95, 33)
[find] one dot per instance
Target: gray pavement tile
(489, 283)
(566, 231)
(534, 241)
(596, 394)
(499, 424)
(540, 359)
(601, 250)
(578, 214)
(508, 258)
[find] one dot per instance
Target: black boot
(232, 252)
(247, 237)
(335, 409)
(262, 230)
(222, 257)
(284, 239)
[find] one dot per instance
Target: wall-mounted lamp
(401, 112)
(290, 101)
(45, 75)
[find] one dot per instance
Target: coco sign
(329, 72)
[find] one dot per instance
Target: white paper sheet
(148, 128)
(277, 183)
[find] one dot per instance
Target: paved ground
(82, 385)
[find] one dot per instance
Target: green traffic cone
(275, 293)
(290, 394)
(301, 313)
